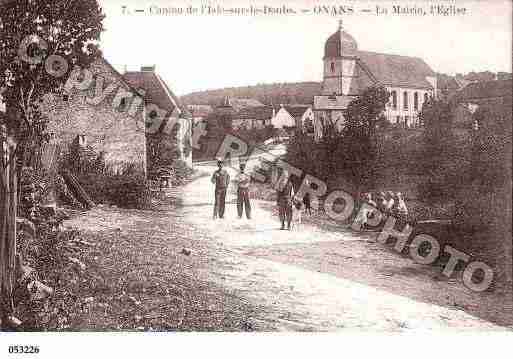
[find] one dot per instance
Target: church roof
(385, 69)
(396, 70)
(340, 44)
(155, 90)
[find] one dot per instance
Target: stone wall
(107, 128)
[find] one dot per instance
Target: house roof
(486, 90)
(240, 103)
(396, 70)
(200, 110)
(255, 113)
(296, 111)
(155, 90)
(447, 82)
(496, 96)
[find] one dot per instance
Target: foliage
(491, 149)
(181, 173)
(255, 135)
(162, 150)
(119, 189)
(364, 112)
(349, 153)
(440, 160)
(278, 93)
(66, 28)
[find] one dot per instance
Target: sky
(201, 52)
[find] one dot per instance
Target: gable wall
(119, 135)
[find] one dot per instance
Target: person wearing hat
(221, 179)
(389, 202)
(400, 209)
(381, 202)
(284, 197)
(243, 202)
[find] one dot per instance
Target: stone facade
(107, 128)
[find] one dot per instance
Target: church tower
(340, 71)
(341, 80)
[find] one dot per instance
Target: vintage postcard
(253, 166)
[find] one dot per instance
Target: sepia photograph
(287, 168)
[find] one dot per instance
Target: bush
(182, 173)
(120, 190)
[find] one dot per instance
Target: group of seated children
(387, 203)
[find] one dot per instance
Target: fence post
(8, 201)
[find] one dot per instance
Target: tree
(491, 148)
(42, 42)
(349, 153)
(358, 145)
(437, 117)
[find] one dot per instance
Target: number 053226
(23, 349)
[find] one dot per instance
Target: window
(425, 97)
(394, 100)
(405, 100)
(416, 101)
(397, 119)
(332, 67)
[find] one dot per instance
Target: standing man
(221, 179)
(243, 181)
(284, 195)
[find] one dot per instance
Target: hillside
(301, 92)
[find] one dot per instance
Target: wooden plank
(77, 190)
(8, 201)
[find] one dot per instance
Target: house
(244, 112)
(242, 103)
(112, 115)
(174, 131)
(494, 96)
(256, 117)
(105, 122)
(296, 116)
(348, 71)
(199, 112)
(447, 85)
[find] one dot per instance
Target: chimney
(148, 68)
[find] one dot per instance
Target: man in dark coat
(285, 194)
(221, 179)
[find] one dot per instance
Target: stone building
(296, 116)
(168, 122)
(348, 71)
(114, 114)
(100, 115)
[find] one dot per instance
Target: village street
(187, 271)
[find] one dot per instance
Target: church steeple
(340, 70)
(340, 43)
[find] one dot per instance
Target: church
(348, 71)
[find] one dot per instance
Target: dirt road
(326, 279)
(249, 275)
